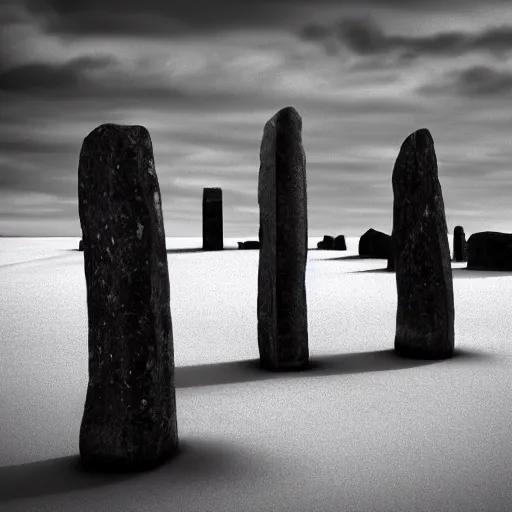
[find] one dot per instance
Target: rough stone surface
(490, 250)
(282, 197)
(213, 235)
(340, 244)
(425, 308)
(459, 244)
(129, 421)
(374, 244)
(81, 245)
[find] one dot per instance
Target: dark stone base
(106, 464)
(286, 366)
(421, 352)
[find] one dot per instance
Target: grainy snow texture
(362, 431)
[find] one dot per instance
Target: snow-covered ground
(363, 431)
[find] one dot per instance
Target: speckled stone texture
(340, 244)
(129, 421)
(213, 234)
(282, 197)
(459, 244)
(490, 250)
(374, 244)
(425, 309)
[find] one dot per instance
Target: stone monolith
(129, 420)
(374, 244)
(425, 308)
(459, 244)
(490, 250)
(213, 238)
(282, 197)
(339, 243)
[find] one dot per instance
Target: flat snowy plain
(363, 431)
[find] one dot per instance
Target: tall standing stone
(425, 310)
(129, 420)
(459, 244)
(213, 238)
(282, 197)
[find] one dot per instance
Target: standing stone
(425, 310)
(340, 244)
(490, 250)
(81, 245)
(282, 197)
(250, 244)
(129, 420)
(374, 244)
(459, 244)
(213, 238)
(326, 244)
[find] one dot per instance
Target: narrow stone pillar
(459, 244)
(129, 421)
(425, 309)
(213, 239)
(282, 197)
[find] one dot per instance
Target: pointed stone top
(288, 111)
(420, 140)
(288, 115)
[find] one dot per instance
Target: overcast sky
(204, 76)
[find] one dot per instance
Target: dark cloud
(54, 78)
(161, 17)
(364, 36)
(474, 82)
(99, 79)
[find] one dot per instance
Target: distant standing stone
(459, 244)
(374, 244)
(326, 244)
(425, 309)
(213, 237)
(339, 243)
(129, 420)
(490, 250)
(250, 244)
(282, 197)
(81, 245)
